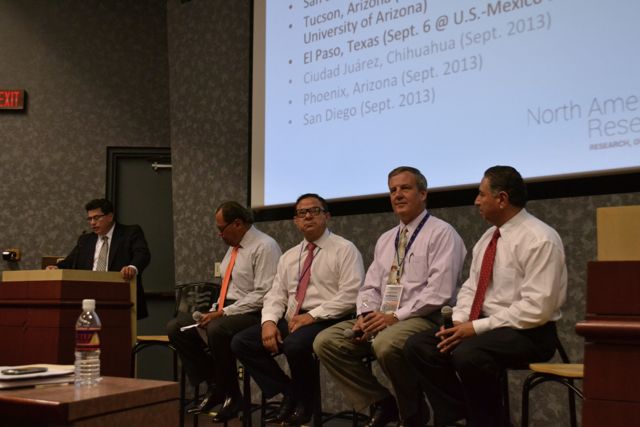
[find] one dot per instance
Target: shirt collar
(320, 242)
(514, 221)
(248, 237)
(413, 224)
(109, 233)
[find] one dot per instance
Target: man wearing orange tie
(247, 269)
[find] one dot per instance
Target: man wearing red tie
(315, 286)
(505, 313)
(247, 270)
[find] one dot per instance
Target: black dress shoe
(385, 412)
(413, 421)
(229, 410)
(210, 400)
(302, 415)
(287, 407)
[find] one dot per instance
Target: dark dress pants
(297, 348)
(466, 383)
(220, 365)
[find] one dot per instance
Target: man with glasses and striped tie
(315, 287)
(111, 247)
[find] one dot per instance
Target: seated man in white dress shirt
(505, 313)
(315, 286)
(414, 273)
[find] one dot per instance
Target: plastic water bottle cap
(88, 305)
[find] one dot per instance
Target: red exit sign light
(11, 99)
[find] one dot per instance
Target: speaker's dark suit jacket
(127, 247)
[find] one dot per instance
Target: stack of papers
(55, 374)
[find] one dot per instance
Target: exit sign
(11, 99)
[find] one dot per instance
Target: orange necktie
(227, 278)
(486, 273)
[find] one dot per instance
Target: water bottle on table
(88, 327)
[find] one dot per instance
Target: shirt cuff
(400, 315)
(316, 313)
(481, 326)
(268, 318)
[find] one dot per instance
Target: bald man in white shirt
(250, 277)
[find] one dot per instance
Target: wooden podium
(39, 309)
(612, 348)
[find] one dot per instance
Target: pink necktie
(486, 272)
(306, 275)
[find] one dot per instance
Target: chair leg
(317, 395)
(572, 406)
(263, 410)
(526, 387)
(246, 397)
(196, 394)
(175, 366)
(506, 410)
(132, 367)
(182, 396)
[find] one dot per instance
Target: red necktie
(306, 275)
(227, 278)
(486, 272)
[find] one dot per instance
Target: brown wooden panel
(612, 348)
(613, 287)
(623, 329)
(612, 372)
(12, 290)
(37, 322)
(598, 413)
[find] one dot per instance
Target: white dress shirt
(529, 283)
(252, 273)
(99, 244)
(337, 272)
(432, 269)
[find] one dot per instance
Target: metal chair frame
(536, 378)
(181, 305)
(319, 417)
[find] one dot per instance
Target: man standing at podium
(111, 247)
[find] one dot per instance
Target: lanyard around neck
(411, 239)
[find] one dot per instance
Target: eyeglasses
(95, 218)
(221, 230)
(315, 211)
